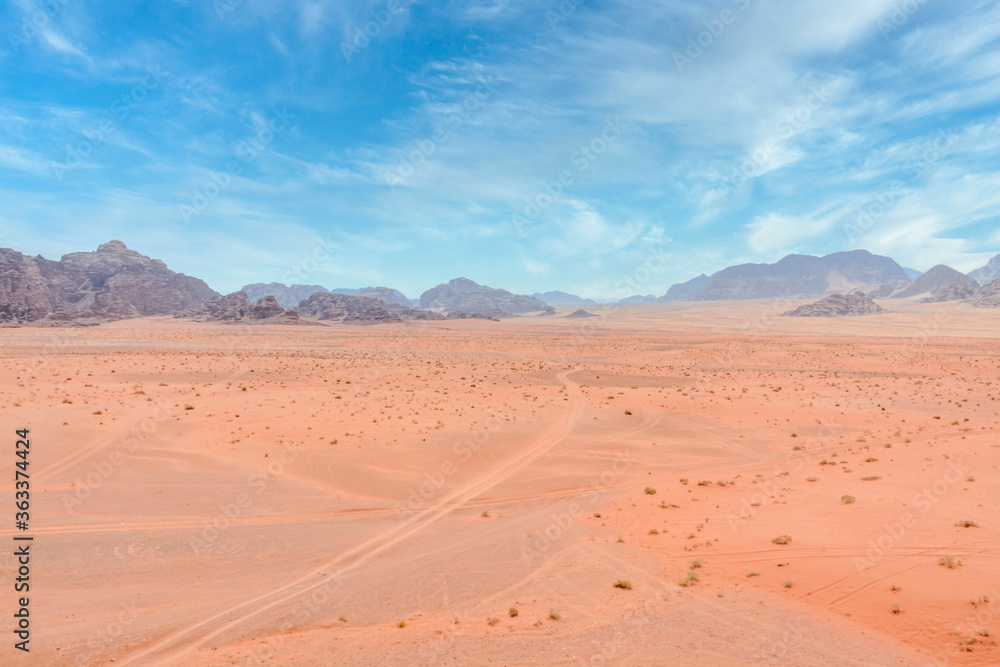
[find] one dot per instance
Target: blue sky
(526, 145)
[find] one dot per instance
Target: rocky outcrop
(346, 308)
(236, 307)
(953, 292)
(109, 284)
(987, 274)
(988, 296)
(803, 276)
(581, 313)
(838, 305)
(933, 282)
(462, 294)
(287, 296)
(385, 294)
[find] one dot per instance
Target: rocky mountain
(581, 313)
(838, 305)
(236, 307)
(933, 282)
(987, 274)
(557, 298)
(912, 274)
(803, 275)
(288, 296)
(688, 290)
(345, 308)
(465, 295)
(988, 296)
(111, 283)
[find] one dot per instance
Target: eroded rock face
(267, 307)
(988, 296)
(987, 274)
(346, 308)
(111, 283)
(953, 292)
(462, 294)
(838, 305)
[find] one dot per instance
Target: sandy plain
(378, 495)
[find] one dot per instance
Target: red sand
(216, 495)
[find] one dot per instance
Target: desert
(677, 483)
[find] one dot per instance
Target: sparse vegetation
(788, 583)
(967, 524)
(690, 580)
(782, 539)
(624, 584)
(554, 615)
(492, 620)
(870, 478)
(650, 491)
(513, 612)
(401, 624)
(812, 479)
(654, 531)
(695, 564)
(753, 573)
(896, 610)
(949, 562)
(846, 499)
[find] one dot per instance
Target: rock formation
(838, 305)
(581, 313)
(988, 296)
(462, 294)
(346, 308)
(109, 284)
(987, 274)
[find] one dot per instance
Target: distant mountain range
(115, 282)
(561, 298)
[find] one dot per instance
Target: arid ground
(471, 492)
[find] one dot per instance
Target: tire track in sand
(180, 643)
